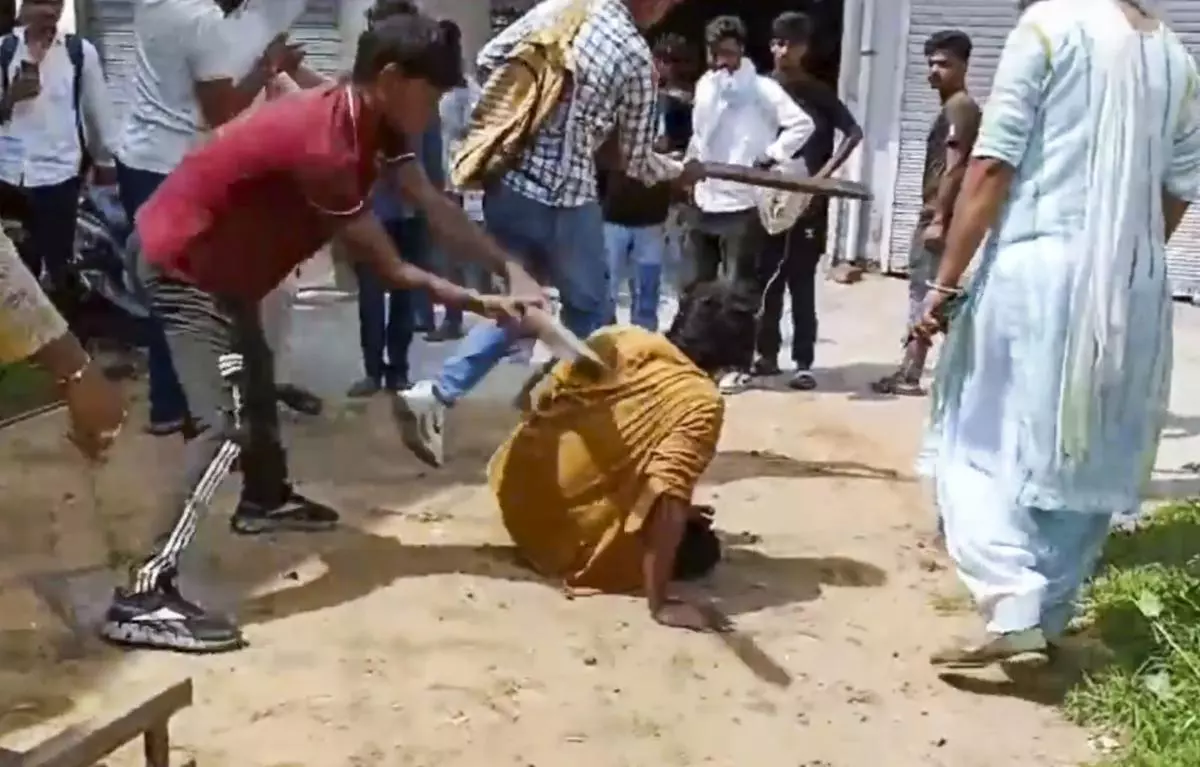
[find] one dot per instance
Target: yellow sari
(577, 479)
(28, 321)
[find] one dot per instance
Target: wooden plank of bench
(85, 745)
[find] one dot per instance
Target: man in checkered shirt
(546, 209)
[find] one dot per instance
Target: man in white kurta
(1052, 387)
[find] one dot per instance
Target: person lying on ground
(32, 329)
(232, 221)
(595, 485)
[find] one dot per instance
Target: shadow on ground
(53, 527)
(1139, 619)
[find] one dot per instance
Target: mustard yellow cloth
(579, 476)
(516, 100)
(28, 321)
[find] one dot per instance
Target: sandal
(897, 385)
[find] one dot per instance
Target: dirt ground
(411, 638)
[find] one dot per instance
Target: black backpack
(74, 43)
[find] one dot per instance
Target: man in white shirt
(199, 64)
(739, 118)
(55, 120)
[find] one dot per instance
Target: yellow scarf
(517, 99)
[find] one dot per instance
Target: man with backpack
(55, 124)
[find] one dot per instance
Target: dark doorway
(690, 17)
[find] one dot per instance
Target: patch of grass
(1145, 607)
(24, 387)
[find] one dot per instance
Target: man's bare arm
(306, 78)
(663, 534)
(366, 241)
(984, 190)
(461, 237)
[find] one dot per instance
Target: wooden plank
(85, 745)
(775, 179)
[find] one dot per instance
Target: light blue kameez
(1053, 383)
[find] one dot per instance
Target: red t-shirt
(241, 212)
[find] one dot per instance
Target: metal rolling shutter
(318, 31)
(1183, 255)
(988, 23)
(109, 25)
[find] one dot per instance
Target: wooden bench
(84, 745)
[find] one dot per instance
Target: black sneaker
(765, 367)
(298, 399)
(396, 384)
(367, 387)
(296, 514)
(163, 620)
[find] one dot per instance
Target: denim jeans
(562, 245)
(387, 319)
(637, 250)
(472, 276)
(167, 400)
(417, 248)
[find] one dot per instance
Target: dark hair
(698, 553)
(792, 27)
(386, 9)
(672, 47)
(725, 28)
(415, 45)
(453, 34)
(451, 30)
(951, 41)
(715, 326)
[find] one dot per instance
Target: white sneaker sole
(410, 433)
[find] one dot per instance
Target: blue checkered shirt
(614, 87)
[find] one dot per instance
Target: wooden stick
(774, 179)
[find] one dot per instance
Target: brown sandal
(897, 385)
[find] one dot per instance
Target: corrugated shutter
(1183, 254)
(109, 25)
(988, 23)
(318, 31)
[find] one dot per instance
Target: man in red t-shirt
(235, 218)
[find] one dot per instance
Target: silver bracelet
(945, 290)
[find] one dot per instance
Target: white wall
(873, 94)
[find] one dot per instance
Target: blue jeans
(562, 245)
(387, 319)
(167, 400)
(641, 248)
(412, 237)
(468, 275)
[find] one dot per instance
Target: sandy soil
(411, 638)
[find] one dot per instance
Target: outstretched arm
(637, 128)
(461, 237)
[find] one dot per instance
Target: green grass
(24, 387)
(1144, 606)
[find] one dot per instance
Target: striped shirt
(613, 87)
